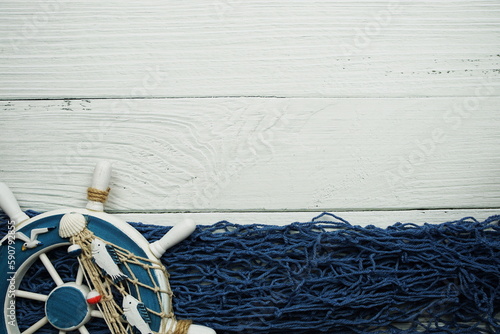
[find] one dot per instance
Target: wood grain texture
(91, 49)
(256, 153)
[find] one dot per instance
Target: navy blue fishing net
(324, 276)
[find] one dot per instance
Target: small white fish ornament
(105, 257)
(136, 314)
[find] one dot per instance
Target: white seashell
(71, 224)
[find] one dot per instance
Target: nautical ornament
(105, 257)
(93, 297)
(32, 241)
(74, 250)
(136, 314)
(71, 224)
(115, 264)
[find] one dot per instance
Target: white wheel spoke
(79, 275)
(39, 324)
(31, 295)
(50, 268)
(83, 330)
(96, 314)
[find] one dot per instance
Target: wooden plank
(380, 219)
(256, 154)
(90, 49)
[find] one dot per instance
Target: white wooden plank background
(242, 107)
(89, 49)
(258, 154)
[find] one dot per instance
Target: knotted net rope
(108, 306)
(331, 277)
(112, 312)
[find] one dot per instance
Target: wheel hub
(66, 307)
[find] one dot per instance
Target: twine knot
(97, 195)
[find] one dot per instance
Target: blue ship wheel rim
(104, 226)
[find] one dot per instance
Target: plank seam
(242, 97)
(295, 211)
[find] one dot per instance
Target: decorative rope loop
(182, 326)
(97, 195)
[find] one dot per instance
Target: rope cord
(97, 195)
(104, 285)
(182, 326)
(108, 306)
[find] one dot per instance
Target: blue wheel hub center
(66, 307)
